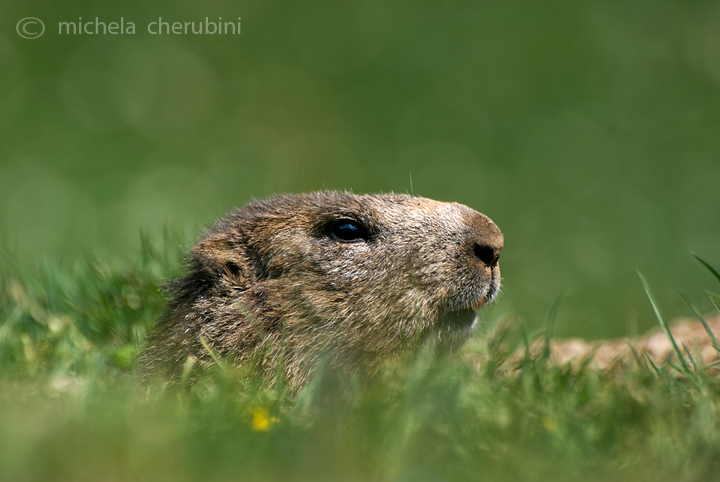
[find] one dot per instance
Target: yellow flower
(549, 423)
(261, 419)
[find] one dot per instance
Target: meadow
(72, 409)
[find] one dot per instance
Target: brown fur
(272, 279)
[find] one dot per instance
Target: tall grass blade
(652, 364)
(717, 307)
(527, 358)
(187, 370)
(711, 294)
(212, 353)
(691, 358)
(641, 363)
(552, 319)
(694, 309)
(662, 322)
(710, 268)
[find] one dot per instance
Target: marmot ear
(224, 257)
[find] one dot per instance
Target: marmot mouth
(484, 299)
(487, 297)
(462, 319)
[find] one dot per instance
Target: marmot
(329, 276)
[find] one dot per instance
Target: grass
(71, 409)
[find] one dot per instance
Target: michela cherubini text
(158, 27)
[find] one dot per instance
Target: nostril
(487, 254)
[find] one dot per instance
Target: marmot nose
(487, 240)
(488, 254)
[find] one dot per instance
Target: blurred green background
(589, 131)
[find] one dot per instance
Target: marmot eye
(347, 230)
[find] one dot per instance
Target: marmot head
(350, 277)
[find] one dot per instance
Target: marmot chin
(330, 276)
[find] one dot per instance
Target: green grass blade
(212, 353)
(717, 307)
(552, 320)
(662, 322)
(702, 320)
(641, 363)
(711, 294)
(676, 368)
(710, 268)
(691, 358)
(187, 370)
(527, 358)
(652, 364)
